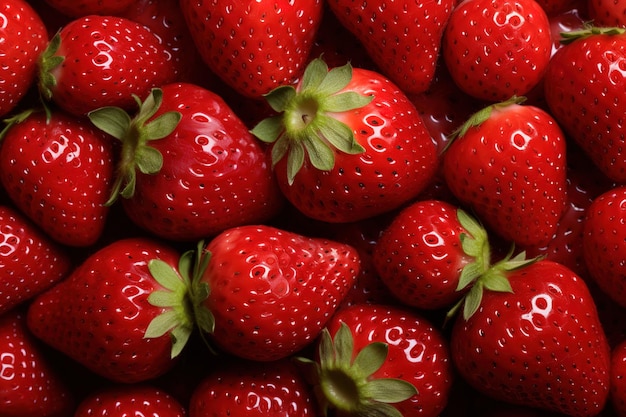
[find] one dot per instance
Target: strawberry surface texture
(313, 208)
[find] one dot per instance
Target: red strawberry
(30, 262)
(554, 7)
(495, 49)
(189, 167)
(607, 13)
(58, 170)
(537, 343)
(583, 90)
(253, 389)
(119, 313)
(130, 400)
(618, 379)
(347, 144)
(384, 361)
(270, 291)
(97, 61)
(508, 165)
(257, 46)
(403, 38)
(23, 37)
(29, 384)
(79, 8)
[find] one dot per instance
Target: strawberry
(132, 400)
(583, 90)
(257, 46)
(536, 341)
(381, 360)
(105, 315)
(97, 61)
(554, 7)
(618, 379)
(508, 165)
(23, 37)
(495, 49)
(189, 167)
(603, 243)
(347, 144)
(30, 262)
(81, 8)
(58, 170)
(246, 388)
(607, 13)
(29, 384)
(403, 38)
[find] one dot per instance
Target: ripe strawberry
(29, 384)
(537, 343)
(495, 49)
(57, 170)
(97, 61)
(130, 400)
(603, 243)
(82, 8)
(583, 90)
(244, 388)
(403, 38)
(347, 144)
(270, 291)
(119, 313)
(381, 360)
(189, 167)
(508, 165)
(618, 379)
(554, 7)
(257, 46)
(607, 13)
(30, 262)
(23, 37)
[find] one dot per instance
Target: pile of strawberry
(312, 208)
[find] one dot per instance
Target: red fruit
(508, 165)
(347, 144)
(537, 343)
(30, 262)
(131, 400)
(58, 171)
(256, 46)
(189, 167)
(253, 389)
(584, 90)
(115, 314)
(23, 37)
(29, 384)
(554, 7)
(384, 361)
(607, 13)
(618, 379)
(496, 49)
(79, 8)
(402, 37)
(97, 61)
(270, 291)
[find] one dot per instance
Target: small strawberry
(256, 46)
(347, 144)
(508, 165)
(23, 37)
(496, 49)
(130, 400)
(80, 8)
(97, 61)
(402, 37)
(376, 360)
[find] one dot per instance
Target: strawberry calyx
(343, 378)
(589, 30)
(305, 125)
(135, 134)
(13, 120)
(47, 62)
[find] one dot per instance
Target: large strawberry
(23, 37)
(256, 46)
(58, 170)
(538, 342)
(508, 165)
(347, 144)
(402, 37)
(189, 167)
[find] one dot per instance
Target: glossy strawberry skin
(540, 345)
(215, 174)
(58, 173)
(134, 400)
(257, 46)
(607, 13)
(98, 315)
(23, 36)
(272, 291)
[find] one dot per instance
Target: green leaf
(349, 100)
(497, 282)
(320, 154)
(180, 337)
(314, 73)
(280, 149)
(129, 188)
(335, 80)
(280, 97)
(378, 409)
(370, 358)
(163, 299)
(149, 107)
(469, 273)
(112, 120)
(339, 135)
(295, 160)
(161, 324)
(389, 390)
(163, 125)
(326, 350)
(472, 300)
(148, 159)
(164, 274)
(344, 345)
(269, 130)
